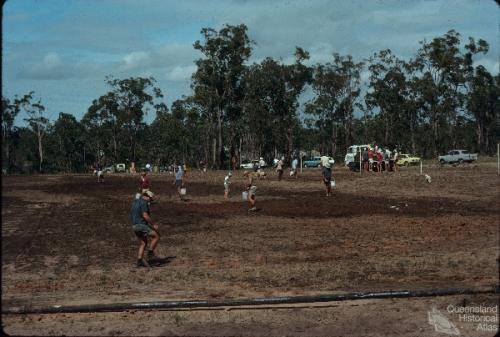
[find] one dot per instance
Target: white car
(249, 164)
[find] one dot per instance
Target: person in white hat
(145, 229)
(227, 183)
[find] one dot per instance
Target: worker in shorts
(145, 229)
(380, 158)
(99, 173)
(227, 183)
(387, 156)
(370, 159)
(279, 167)
(179, 180)
(395, 160)
(293, 171)
(326, 172)
(252, 189)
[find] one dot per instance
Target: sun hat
(149, 194)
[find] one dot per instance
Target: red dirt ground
(67, 240)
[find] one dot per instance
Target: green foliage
(426, 105)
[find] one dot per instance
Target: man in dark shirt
(144, 228)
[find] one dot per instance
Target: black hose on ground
(247, 301)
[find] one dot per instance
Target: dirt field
(66, 240)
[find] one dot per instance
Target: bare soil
(67, 240)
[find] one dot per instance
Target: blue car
(316, 162)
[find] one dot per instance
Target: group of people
(146, 230)
(378, 159)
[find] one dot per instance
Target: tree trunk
(348, 123)
(412, 137)
(289, 137)
(434, 135)
(479, 130)
(219, 138)
(333, 139)
(40, 149)
(386, 134)
(214, 151)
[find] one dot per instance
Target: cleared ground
(67, 240)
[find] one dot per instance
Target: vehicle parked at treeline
(457, 157)
(405, 159)
(316, 161)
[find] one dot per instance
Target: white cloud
(181, 73)
(136, 59)
(492, 66)
(52, 60)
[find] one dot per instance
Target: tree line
(435, 101)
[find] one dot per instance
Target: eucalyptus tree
(444, 71)
(38, 123)
(132, 99)
(264, 95)
(272, 91)
(97, 135)
(336, 87)
(217, 81)
(387, 91)
(296, 77)
(70, 144)
(9, 114)
(483, 106)
(115, 120)
(165, 137)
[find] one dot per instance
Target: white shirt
(325, 162)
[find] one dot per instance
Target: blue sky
(63, 49)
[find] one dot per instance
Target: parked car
(120, 167)
(249, 164)
(405, 159)
(457, 156)
(316, 161)
(109, 169)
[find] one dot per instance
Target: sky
(64, 49)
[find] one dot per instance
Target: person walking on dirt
(364, 155)
(144, 182)
(279, 167)
(295, 164)
(227, 183)
(370, 159)
(100, 173)
(179, 180)
(251, 189)
(326, 173)
(395, 160)
(379, 161)
(144, 228)
(387, 156)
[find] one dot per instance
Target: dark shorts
(142, 231)
(327, 175)
(178, 183)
